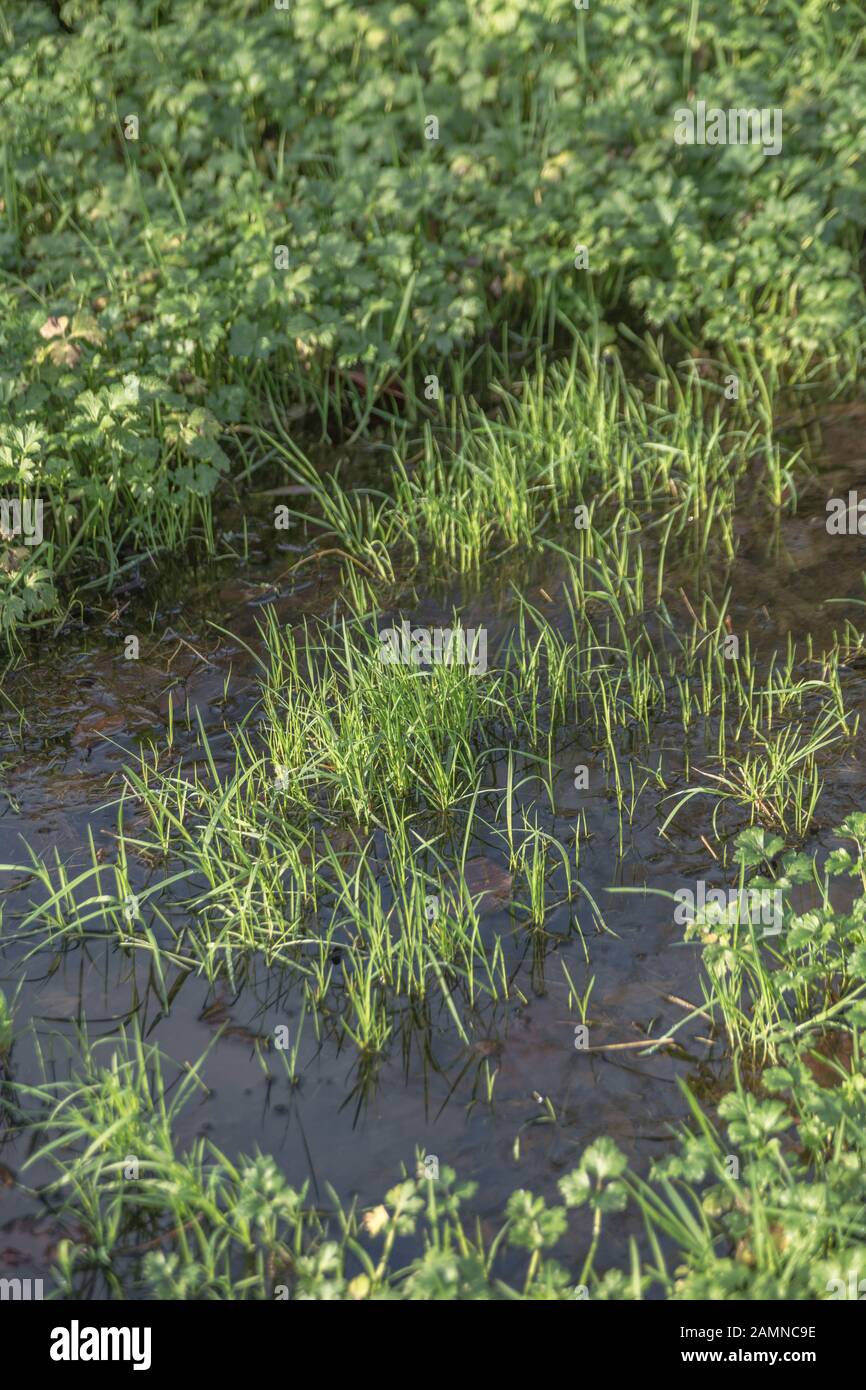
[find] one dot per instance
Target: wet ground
(78, 711)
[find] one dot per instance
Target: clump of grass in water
(576, 432)
(345, 725)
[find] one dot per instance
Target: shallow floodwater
(77, 712)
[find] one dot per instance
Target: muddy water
(78, 712)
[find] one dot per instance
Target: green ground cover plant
(425, 300)
(146, 325)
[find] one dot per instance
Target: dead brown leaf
(486, 877)
(54, 327)
(65, 354)
(830, 1058)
